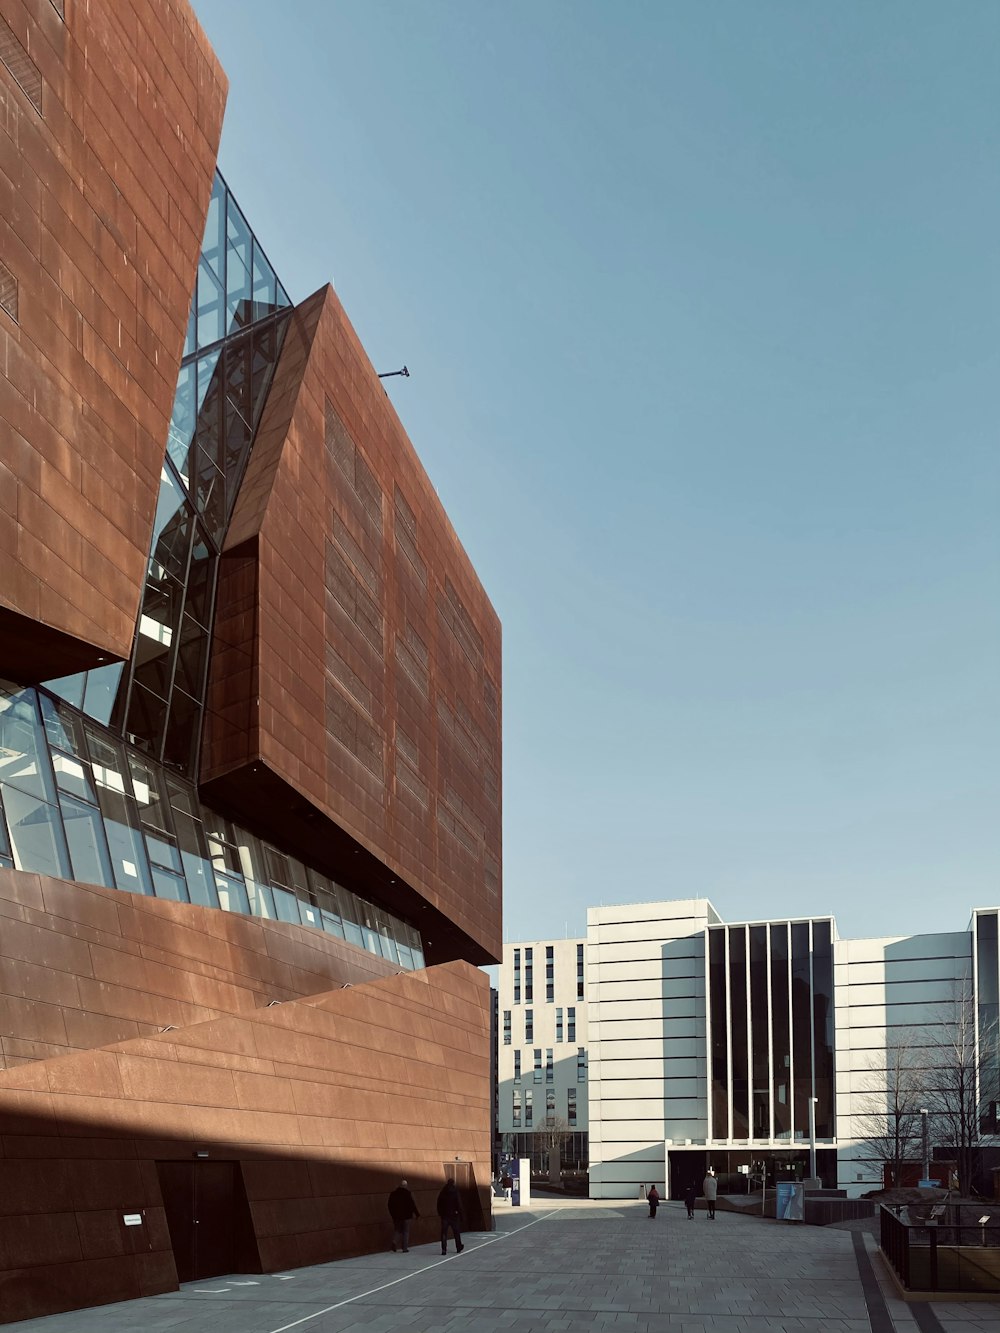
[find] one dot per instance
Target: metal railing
(946, 1247)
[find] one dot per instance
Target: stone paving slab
(551, 1268)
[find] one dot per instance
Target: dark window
(527, 1107)
(506, 1027)
(549, 1069)
(528, 981)
(559, 1026)
(760, 1046)
(571, 1024)
(516, 1109)
(802, 1073)
(718, 1039)
(529, 1026)
(781, 1046)
(550, 973)
(738, 1020)
(823, 1037)
(517, 1066)
(538, 1064)
(579, 972)
(581, 1064)
(517, 976)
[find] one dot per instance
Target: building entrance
(208, 1218)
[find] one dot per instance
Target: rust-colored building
(249, 717)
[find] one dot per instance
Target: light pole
(926, 1143)
(812, 1137)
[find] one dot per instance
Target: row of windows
(550, 974)
(527, 1107)
(75, 803)
(529, 1026)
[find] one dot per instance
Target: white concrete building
(542, 1050)
(697, 1042)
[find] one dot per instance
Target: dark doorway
(464, 1176)
(208, 1218)
(686, 1167)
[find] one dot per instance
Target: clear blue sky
(700, 302)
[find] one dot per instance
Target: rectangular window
(550, 1104)
(517, 1066)
(550, 973)
(538, 1064)
(579, 971)
(506, 1027)
(739, 1053)
(517, 976)
(718, 1026)
(571, 1024)
(549, 1070)
(529, 1026)
(581, 1064)
(571, 1106)
(516, 1118)
(527, 1108)
(528, 979)
(559, 1026)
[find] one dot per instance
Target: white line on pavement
(406, 1276)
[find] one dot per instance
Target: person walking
(449, 1207)
(690, 1194)
(710, 1189)
(653, 1198)
(402, 1210)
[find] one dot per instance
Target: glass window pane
(211, 307)
(147, 712)
(232, 895)
(63, 727)
(264, 285)
(102, 690)
(148, 789)
(168, 885)
(238, 233)
(265, 351)
(332, 923)
(24, 755)
(214, 241)
(88, 848)
(73, 776)
(310, 915)
(200, 879)
(201, 579)
(182, 421)
(285, 905)
(261, 900)
(70, 688)
(239, 304)
(162, 851)
(36, 834)
(182, 731)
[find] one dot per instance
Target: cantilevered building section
(250, 745)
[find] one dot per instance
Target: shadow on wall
(95, 1213)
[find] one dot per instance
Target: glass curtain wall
(78, 803)
(237, 323)
(771, 1019)
(988, 1019)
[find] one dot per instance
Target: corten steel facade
(249, 717)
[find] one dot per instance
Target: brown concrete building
(249, 717)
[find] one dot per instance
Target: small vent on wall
(21, 66)
(8, 291)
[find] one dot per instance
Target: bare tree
(551, 1137)
(963, 1079)
(888, 1111)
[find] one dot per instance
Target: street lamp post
(925, 1142)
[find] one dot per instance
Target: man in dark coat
(402, 1209)
(449, 1208)
(690, 1194)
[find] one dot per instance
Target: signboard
(515, 1183)
(132, 1219)
(790, 1204)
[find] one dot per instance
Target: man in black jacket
(402, 1208)
(449, 1208)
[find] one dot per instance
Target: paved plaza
(562, 1266)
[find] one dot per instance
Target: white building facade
(745, 1046)
(542, 1063)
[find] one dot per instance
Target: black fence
(947, 1247)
